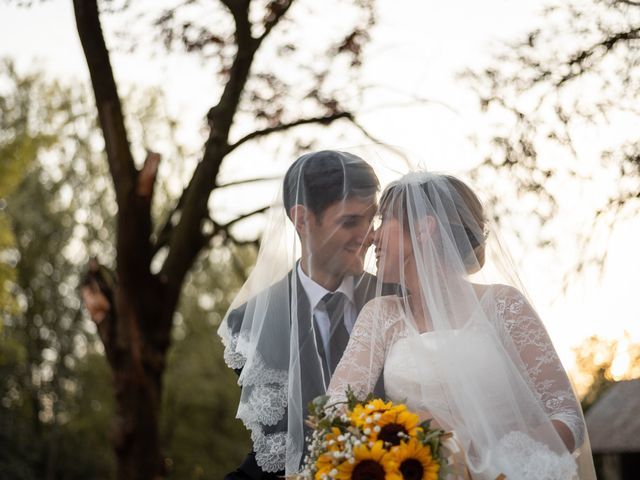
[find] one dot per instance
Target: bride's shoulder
(508, 301)
(386, 302)
(388, 307)
(499, 291)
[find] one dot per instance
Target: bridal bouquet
(371, 440)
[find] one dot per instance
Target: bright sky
(416, 49)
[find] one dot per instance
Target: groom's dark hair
(319, 179)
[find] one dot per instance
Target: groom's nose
(364, 238)
(368, 237)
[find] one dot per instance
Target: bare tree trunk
(136, 321)
(132, 307)
(137, 360)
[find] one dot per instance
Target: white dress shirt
(316, 292)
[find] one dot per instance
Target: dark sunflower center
(368, 470)
(411, 469)
(389, 433)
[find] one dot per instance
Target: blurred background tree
(563, 99)
(602, 362)
(56, 398)
(54, 403)
(562, 105)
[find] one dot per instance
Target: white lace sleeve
(544, 368)
(363, 359)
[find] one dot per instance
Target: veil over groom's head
(319, 179)
(330, 196)
(289, 323)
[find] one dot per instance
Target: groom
(330, 197)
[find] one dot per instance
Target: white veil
(277, 330)
(461, 343)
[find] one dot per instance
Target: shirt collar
(316, 292)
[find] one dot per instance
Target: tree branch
(134, 206)
(97, 291)
(230, 223)
(324, 120)
(278, 8)
(377, 141)
(187, 239)
(241, 243)
(147, 176)
(107, 101)
(579, 59)
(249, 180)
(225, 229)
(164, 234)
(221, 116)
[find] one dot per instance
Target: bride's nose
(376, 236)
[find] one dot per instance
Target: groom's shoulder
(236, 315)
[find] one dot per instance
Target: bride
(459, 348)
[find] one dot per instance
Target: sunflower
(324, 464)
(361, 412)
(415, 461)
(333, 441)
(373, 463)
(394, 425)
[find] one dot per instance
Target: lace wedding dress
(382, 343)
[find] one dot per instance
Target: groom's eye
(350, 222)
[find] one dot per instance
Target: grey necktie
(338, 334)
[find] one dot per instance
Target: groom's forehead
(354, 206)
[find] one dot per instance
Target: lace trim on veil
(269, 448)
(264, 404)
(232, 357)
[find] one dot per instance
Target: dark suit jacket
(312, 383)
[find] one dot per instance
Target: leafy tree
(566, 96)
(46, 339)
(18, 146)
(199, 433)
(595, 359)
(56, 399)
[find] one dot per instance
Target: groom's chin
(356, 267)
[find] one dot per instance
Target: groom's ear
(299, 216)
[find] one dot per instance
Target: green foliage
(200, 434)
(56, 399)
(47, 344)
(19, 144)
(595, 359)
(56, 391)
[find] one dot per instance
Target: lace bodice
(380, 341)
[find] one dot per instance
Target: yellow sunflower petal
(413, 454)
(376, 459)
